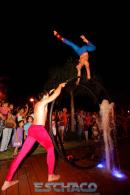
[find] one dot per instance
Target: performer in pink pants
(37, 132)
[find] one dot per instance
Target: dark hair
(40, 95)
(18, 122)
(29, 117)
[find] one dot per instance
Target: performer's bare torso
(83, 58)
(40, 113)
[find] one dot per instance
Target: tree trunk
(72, 111)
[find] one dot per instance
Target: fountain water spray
(107, 125)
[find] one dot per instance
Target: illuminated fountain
(107, 122)
(107, 126)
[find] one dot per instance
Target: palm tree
(62, 74)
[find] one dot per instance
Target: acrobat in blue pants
(82, 53)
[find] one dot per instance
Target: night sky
(28, 48)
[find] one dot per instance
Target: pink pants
(35, 133)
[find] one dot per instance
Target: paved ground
(39, 149)
(34, 169)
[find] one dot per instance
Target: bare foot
(53, 178)
(8, 184)
(55, 32)
(84, 38)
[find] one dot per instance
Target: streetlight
(32, 101)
